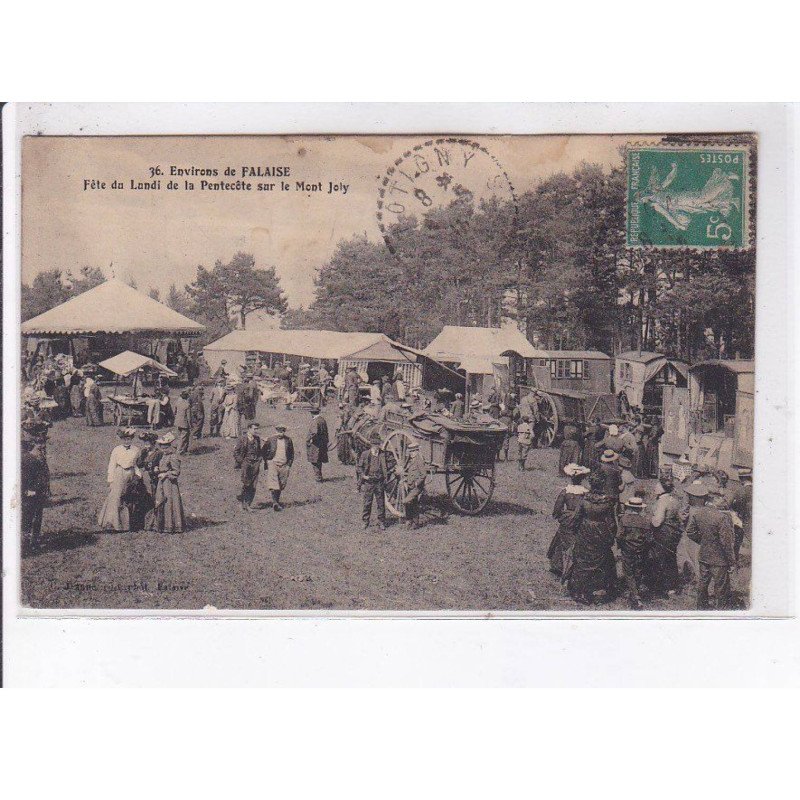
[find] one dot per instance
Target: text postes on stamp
(688, 196)
(436, 173)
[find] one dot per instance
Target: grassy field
(313, 555)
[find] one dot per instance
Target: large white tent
(111, 307)
(478, 351)
(313, 345)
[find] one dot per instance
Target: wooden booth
(711, 420)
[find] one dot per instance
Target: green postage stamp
(695, 196)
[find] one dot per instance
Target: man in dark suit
(371, 474)
(183, 421)
(197, 412)
(317, 443)
(712, 529)
(34, 490)
(247, 458)
(278, 454)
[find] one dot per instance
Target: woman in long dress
(149, 457)
(567, 511)
(76, 394)
(230, 422)
(168, 514)
(122, 477)
(594, 574)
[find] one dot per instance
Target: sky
(159, 237)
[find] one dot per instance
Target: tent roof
(643, 356)
(127, 362)
(738, 366)
(384, 350)
(111, 307)
(308, 344)
(482, 346)
(587, 354)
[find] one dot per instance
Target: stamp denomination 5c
(688, 196)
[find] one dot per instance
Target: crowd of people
(619, 530)
(616, 534)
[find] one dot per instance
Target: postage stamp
(688, 196)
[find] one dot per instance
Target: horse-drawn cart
(560, 407)
(128, 410)
(463, 452)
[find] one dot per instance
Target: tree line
(555, 261)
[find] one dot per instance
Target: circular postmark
(437, 173)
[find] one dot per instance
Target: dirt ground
(313, 555)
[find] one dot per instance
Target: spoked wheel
(549, 418)
(397, 460)
(470, 488)
(333, 441)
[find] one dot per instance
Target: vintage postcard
(388, 373)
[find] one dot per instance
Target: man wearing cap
(570, 452)
(371, 476)
(221, 374)
(712, 529)
(247, 458)
(317, 443)
(664, 577)
(633, 540)
(457, 407)
(740, 500)
(278, 456)
(33, 490)
(612, 474)
(197, 412)
(351, 383)
(627, 479)
(612, 440)
(215, 408)
(183, 421)
(243, 400)
(524, 440)
(416, 472)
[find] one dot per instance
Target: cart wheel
(397, 460)
(470, 488)
(549, 418)
(333, 441)
(117, 416)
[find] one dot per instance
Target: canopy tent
(128, 362)
(111, 307)
(306, 344)
(635, 369)
(477, 350)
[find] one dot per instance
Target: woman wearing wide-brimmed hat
(168, 514)
(594, 573)
(123, 473)
(567, 511)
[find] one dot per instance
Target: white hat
(167, 438)
(613, 430)
(575, 469)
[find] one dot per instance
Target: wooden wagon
(463, 452)
(560, 407)
(128, 410)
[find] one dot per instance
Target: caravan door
(675, 421)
